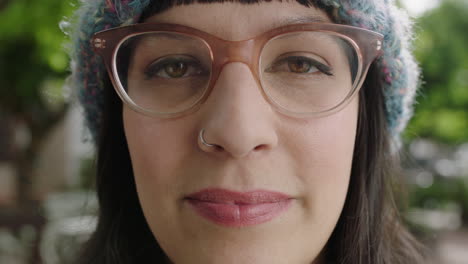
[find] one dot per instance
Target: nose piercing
(203, 140)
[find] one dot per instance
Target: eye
(174, 68)
(300, 65)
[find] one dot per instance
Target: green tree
(33, 66)
(441, 48)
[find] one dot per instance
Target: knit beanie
(399, 73)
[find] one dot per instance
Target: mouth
(238, 209)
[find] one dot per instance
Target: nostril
(259, 147)
(219, 148)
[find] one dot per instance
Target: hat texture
(399, 73)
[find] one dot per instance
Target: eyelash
(315, 64)
(159, 65)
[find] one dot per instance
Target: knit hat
(399, 73)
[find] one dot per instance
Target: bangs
(156, 7)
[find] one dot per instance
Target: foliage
(33, 66)
(440, 47)
(441, 112)
(443, 193)
(31, 53)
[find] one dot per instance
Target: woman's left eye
(300, 65)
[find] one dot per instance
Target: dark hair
(369, 229)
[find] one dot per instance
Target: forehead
(237, 21)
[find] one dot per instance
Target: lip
(238, 209)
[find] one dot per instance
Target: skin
(306, 158)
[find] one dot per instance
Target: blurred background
(46, 198)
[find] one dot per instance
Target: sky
(418, 7)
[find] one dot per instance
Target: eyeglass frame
(106, 43)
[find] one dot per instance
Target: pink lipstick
(235, 209)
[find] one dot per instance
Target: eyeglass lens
(302, 72)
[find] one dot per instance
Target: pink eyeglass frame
(368, 45)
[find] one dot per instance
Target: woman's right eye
(173, 68)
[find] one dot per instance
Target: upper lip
(219, 195)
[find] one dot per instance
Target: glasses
(167, 70)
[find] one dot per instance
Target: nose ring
(203, 140)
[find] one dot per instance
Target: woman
(246, 131)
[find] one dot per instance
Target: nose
(236, 116)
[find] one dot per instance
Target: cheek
(151, 149)
(157, 150)
(328, 142)
(324, 151)
(157, 144)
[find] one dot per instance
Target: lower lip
(239, 215)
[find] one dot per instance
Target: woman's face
(308, 160)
